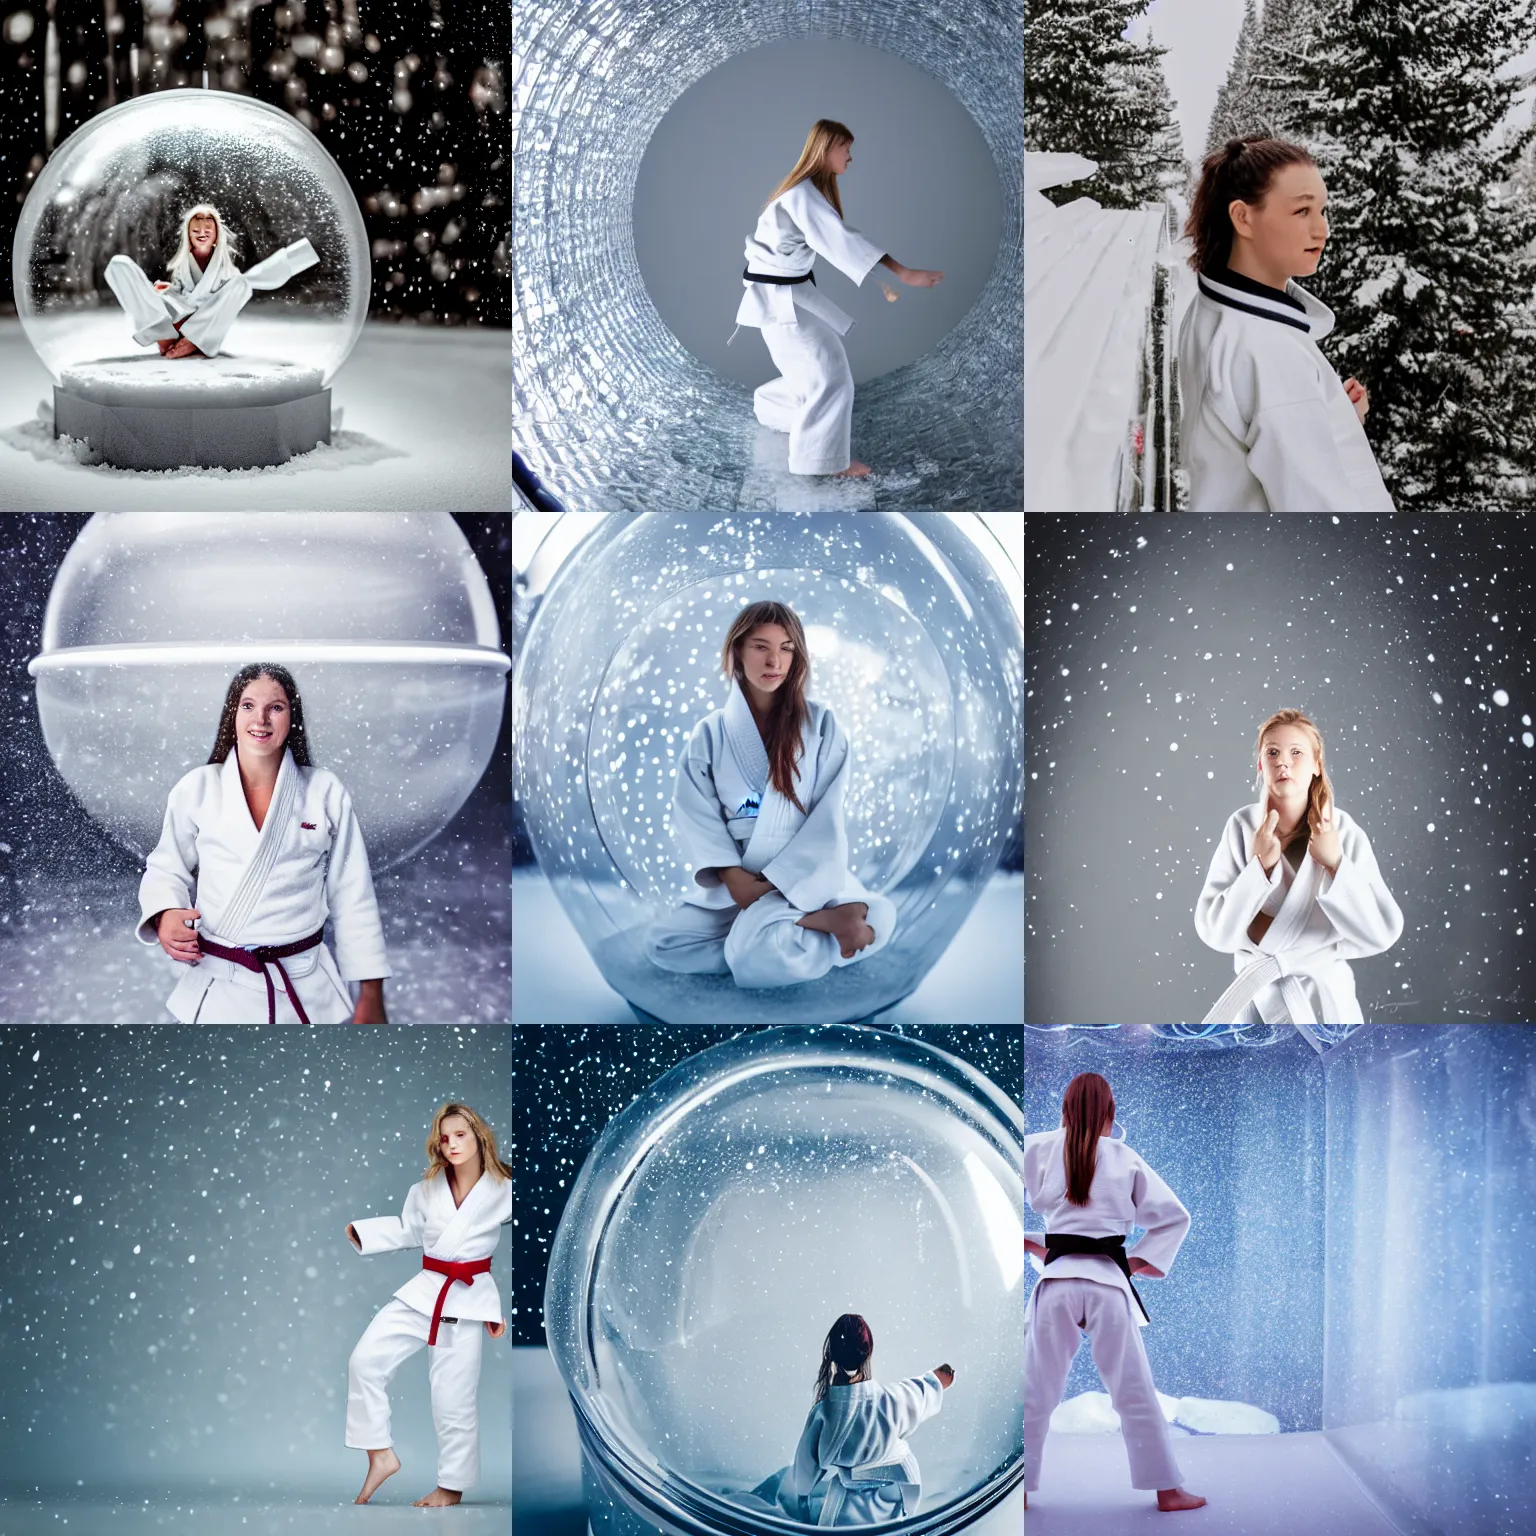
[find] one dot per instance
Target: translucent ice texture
(120, 185)
(386, 623)
(611, 410)
(726, 1218)
(914, 646)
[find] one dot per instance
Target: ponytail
(1086, 1105)
(1242, 171)
(848, 1346)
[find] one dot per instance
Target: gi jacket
(1266, 424)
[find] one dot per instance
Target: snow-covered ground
(197, 1511)
(425, 423)
(979, 979)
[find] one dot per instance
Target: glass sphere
(386, 623)
(728, 1216)
(121, 184)
(914, 645)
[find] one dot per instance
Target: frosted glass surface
(915, 648)
(611, 410)
(386, 623)
(121, 184)
(765, 1186)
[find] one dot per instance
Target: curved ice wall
(612, 411)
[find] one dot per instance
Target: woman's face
(202, 236)
(766, 656)
(1290, 227)
(262, 719)
(840, 157)
(1288, 764)
(456, 1141)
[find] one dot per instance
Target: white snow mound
(151, 381)
(1090, 1413)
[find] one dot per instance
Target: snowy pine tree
(1154, 160)
(1429, 266)
(1233, 114)
(1278, 71)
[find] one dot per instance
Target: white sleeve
(697, 816)
(171, 870)
(1236, 889)
(913, 1400)
(385, 1234)
(281, 265)
(1159, 1211)
(1292, 454)
(1357, 902)
(360, 953)
(802, 1474)
(812, 867)
(829, 236)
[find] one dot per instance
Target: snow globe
(386, 623)
(122, 186)
(728, 1215)
(914, 645)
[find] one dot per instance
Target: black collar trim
(1211, 289)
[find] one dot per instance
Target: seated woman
(190, 315)
(759, 808)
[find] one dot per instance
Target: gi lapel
(745, 742)
(451, 1239)
(204, 287)
(779, 819)
(1291, 919)
(269, 842)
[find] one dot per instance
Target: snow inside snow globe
(729, 1214)
(106, 221)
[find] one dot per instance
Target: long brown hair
(1242, 170)
(825, 135)
(1320, 794)
(297, 743)
(848, 1347)
(786, 722)
(489, 1162)
(1086, 1105)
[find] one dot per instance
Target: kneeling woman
(759, 808)
(268, 847)
(1294, 892)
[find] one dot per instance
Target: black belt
(1060, 1244)
(768, 277)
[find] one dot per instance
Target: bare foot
(438, 1498)
(855, 471)
(381, 1464)
(181, 347)
(165, 346)
(1176, 1498)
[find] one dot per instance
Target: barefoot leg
(439, 1498)
(381, 1464)
(1169, 1499)
(855, 471)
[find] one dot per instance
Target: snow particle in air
(1527, 740)
(1436, 697)
(77, 1200)
(1430, 827)
(1173, 746)
(1500, 697)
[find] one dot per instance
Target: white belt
(1253, 978)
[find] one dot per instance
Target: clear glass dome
(386, 623)
(120, 185)
(914, 645)
(733, 1211)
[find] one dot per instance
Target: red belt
(259, 958)
(463, 1272)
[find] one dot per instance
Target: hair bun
(1235, 148)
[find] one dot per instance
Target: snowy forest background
(408, 96)
(1419, 114)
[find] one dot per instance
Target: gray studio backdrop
(179, 1298)
(922, 186)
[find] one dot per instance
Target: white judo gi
(1298, 973)
(270, 887)
(853, 1465)
(205, 312)
(727, 813)
(430, 1222)
(1267, 426)
(812, 399)
(1089, 1293)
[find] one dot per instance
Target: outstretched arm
(913, 277)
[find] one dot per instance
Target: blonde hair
(1320, 794)
(484, 1135)
(825, 135)
(183, 269)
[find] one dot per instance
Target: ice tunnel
(915, 645)
(692, 1278)
(611, 411)
(1358, 1268)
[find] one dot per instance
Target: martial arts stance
(759, 808)
(1294, 891)
(191, 314)
(812, 400)
(1091, 1190)
(853, 1465)
(455, 1216)
(1268, 426)
(269, 847)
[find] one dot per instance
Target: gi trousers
(394, 1335)
(812, 400)
(207, 325)
(1063, 1311)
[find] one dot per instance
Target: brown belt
(258, 958)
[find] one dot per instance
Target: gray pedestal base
(204, 436)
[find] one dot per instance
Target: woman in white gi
(1091, 1190)
(853, 1465)
(758, 806)
(190, 316)
(455, 1216)
(1267, 424)
(812, 399)
(258, 849)
(1294, 892)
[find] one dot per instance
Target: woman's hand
(1359, 397)
(370, 1004)
(744, 886)
(913, 277)
(496, 1329)
(176, 939)
(1266, 843)
(1324, 844)
(946, 1375)
(352, 1237)
(1031, 1246)
(1141, 1267)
